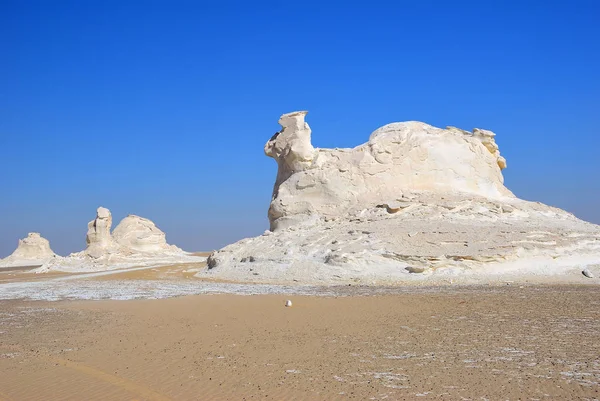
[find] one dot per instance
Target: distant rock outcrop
(135, 241)
(34, 250)
(141, 235)
(414, 203)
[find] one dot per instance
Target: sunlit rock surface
(98, 239)
(414, 203)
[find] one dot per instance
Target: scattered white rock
(288, 303)
(586, 272)
(33, 250)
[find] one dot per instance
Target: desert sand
(502, 342)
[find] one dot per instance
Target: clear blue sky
(162, 109)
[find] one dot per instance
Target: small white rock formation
(98, 238)
(414, 203)
(34, 250)
(141, 235)
(135, 241)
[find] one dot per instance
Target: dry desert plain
(510, 341)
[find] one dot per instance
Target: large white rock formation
(415, 202)
(135, 241)
(313, 183)
(34, 250)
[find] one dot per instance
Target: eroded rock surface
(415, 202)
(411, 156)
(33, 250)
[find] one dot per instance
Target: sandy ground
(476, 343)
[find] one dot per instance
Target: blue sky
(162, 108)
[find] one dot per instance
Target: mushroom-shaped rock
(32, 250)
(98, 239)
(140, 235)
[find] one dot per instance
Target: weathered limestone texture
(412, 156)
(414, 203)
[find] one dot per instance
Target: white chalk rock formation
(98, 238)
(313, 183)
(34, 250)
(135, 241)
(415, 203)
(141, 235)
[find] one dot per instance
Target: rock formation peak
(98, 238)
(291, 147)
